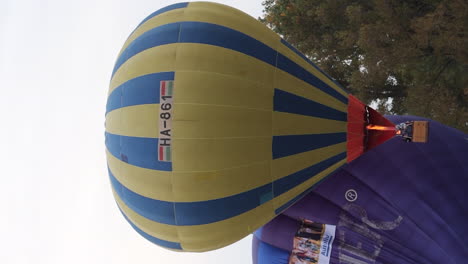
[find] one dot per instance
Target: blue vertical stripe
(191, 213)
(212, 34)
(136, 151)
(205, 212)
(199, 213)
(140, 90)
(163, 10)
(155, 240)
(165, 34)
(155, 210)
(285, 184)
(291, 103)
(293, 144)
(295, 69)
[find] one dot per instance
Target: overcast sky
(56, 59)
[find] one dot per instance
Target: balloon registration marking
(165, 120)
(351, 195)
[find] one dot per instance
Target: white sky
(56, 59)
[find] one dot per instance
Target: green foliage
(413, 51)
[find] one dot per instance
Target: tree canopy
(406, 56)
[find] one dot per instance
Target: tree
(412, 51)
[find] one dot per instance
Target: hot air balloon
(398, 203)
(215, 125)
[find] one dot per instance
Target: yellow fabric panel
(288, 196)
(221, 89)
(134, 121)
(146, 182)
(203, 237)
(113, 121)
(210, 13)
(232, 18)
(192, 155)
(215, 60)
(215, 121)
(286, 82)
(212, 185)
(143, 63)
(288, 165)
(178, 186)
(283, 49)
(158, 230)
(199, 238)
(210, 154)
(194, 57)
(292, 124)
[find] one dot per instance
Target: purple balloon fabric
(398, 203)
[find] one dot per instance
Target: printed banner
(165, 120)
(313, 243)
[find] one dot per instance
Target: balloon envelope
(398, 203)
(214, 125)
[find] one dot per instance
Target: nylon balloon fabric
(214, 125)
(398, 203)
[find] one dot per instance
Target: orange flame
(381, 128)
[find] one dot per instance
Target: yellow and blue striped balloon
(214, 125)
